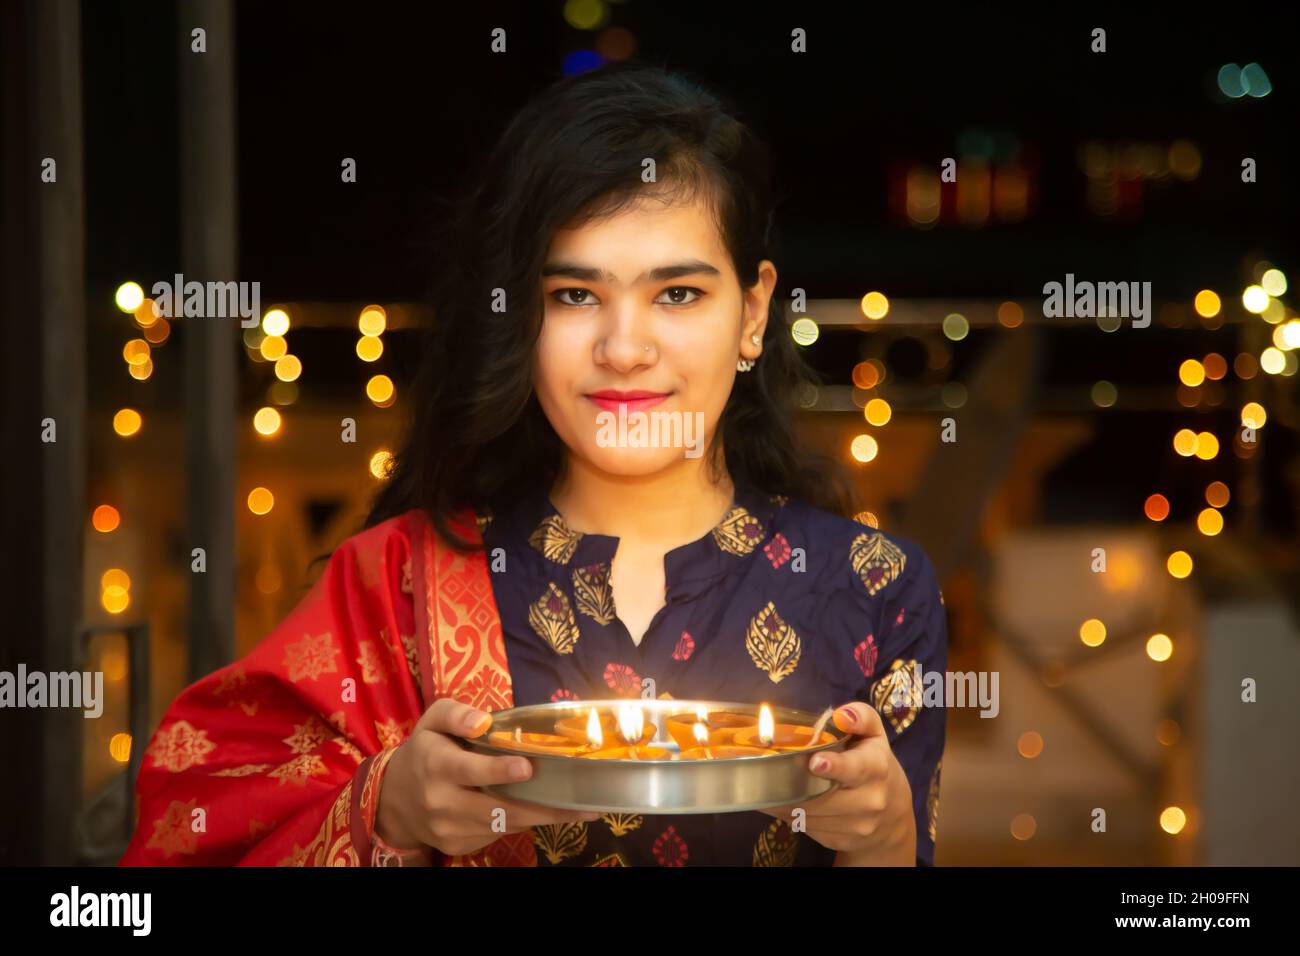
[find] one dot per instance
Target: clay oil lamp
(783, 738)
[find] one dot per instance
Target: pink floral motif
(622, 679)
(777, 550)
(670, 849)
(865, 655)
(899, 619)
(564, 694)
(685, 647)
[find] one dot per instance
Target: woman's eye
(580, 296)
(676, 294)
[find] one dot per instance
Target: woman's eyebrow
(657, 274)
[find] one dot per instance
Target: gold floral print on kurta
(776, 845)
(622, 823)
(867, 518)
(593, 593)
(611, 859)
(877, 560)
(180, 746)
(559, 841)
(932, 803)
(772, 644)
(899, 694)
(312, 656)
(739, 532)
(551, 616)
(555, 539)
(174, 832)
(299, 770)
(308, 735)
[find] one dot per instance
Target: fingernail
(473, 719)
(591, 816)
(848, 715)
(818, 764)
(519, 769)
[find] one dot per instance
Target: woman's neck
(671, 507)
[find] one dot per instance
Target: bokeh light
(1209, 522)
(804, 331)
(1172, 820)
(878, 412)
(1156, 507)
(1092, 632)
(373, 320)
(266, 421)
(260, 500)
(129, 297)
(105, 519)
(380, 390)
(875, 306)
(864, 448)
(1207, 303)
(127, 422)
(1179, 564)
(275, 322)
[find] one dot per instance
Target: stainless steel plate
(725, 785)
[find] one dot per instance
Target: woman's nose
(627, 340)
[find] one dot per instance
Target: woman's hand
(869, 817)
(429, 791)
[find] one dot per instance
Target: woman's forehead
(643, 235)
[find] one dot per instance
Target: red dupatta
(278, 758)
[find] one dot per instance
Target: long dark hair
(477, 436)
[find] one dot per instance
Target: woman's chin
(635, 462)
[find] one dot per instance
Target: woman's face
(644, 321)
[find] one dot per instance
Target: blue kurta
(780, 603)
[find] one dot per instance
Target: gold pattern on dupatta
(772, 644)
(611, 859)
(311, 657)
(559, 841)
(777, 845)
(247, 770)
(555, 539)
(594, 595)
(932, 803)
(373, 669)
(299, 770)
(877, 560)
(551, 616)
(621, 824)
(179, 746)
(174, 832)
(467, 658)
(234, 688)
(739, 532)
(391, 733)
(308, 735)
(332, 845)
(899, 694)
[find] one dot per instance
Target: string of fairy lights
(1262, 298)
(264, 343)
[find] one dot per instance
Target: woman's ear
(758, 298)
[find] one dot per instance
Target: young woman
(612, 263)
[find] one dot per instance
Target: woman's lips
(636, 401)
